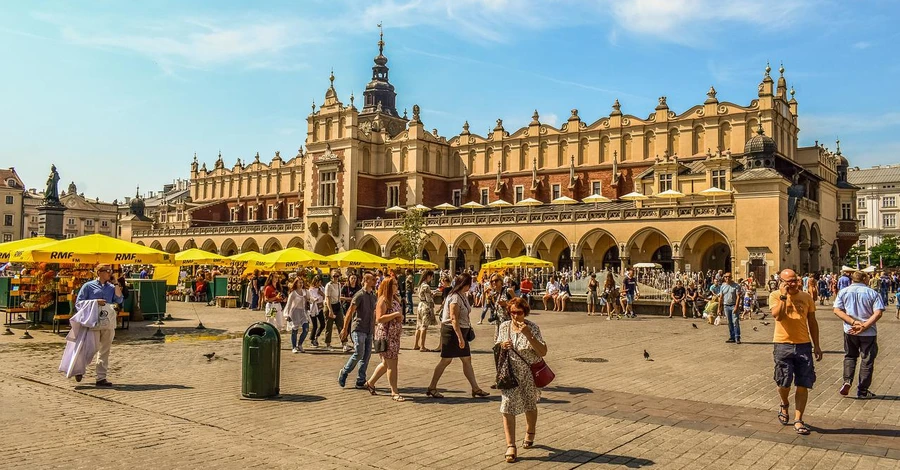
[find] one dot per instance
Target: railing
(522, 216)
(323, 211)
(848, 227)
(229, 229)
(809, 205)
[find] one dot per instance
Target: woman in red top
(273, 302)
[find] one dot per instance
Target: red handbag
(540, 371)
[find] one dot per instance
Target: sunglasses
(516, 312)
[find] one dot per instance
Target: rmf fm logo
(126, 257)
(61, 255)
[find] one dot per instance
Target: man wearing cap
(103, 292)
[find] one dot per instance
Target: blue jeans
(362, 350)
(734, 322)
(254, 300)
(409, 305)
(303, 333)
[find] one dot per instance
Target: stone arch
(470, 164)
(725, 135)
(626, 147)
(508, 244)
(815, 247)
(645, 243)
(698, 141)
(172, 247)
(140, 243)
(593, 247)
(582, 151)
(552, 246)
(803, 244)
(426, 160)
(488, 155)
(325, 245)
(190, 243)
(604, 149)
(392, 245)
(209, 245)
(156, 245)
(434, 249)
(469, 251)
(295, 242)
(370, 245)
(249, 245)
(705, 248)
(228, 248)
(272, 244)
(750, 129)
(523, 156)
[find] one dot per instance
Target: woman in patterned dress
(388, 326)
(425, 311)
(521, 336)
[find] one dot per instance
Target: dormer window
(11, 183)
(665, 182)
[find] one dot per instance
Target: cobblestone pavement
(700, 403)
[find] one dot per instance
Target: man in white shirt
(333, 310)
(551, 292)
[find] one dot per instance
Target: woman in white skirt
(425, 311)
(295, 313)
(273, 302)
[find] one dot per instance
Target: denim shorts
(794, 365)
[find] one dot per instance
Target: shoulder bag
(506, 379)
(540, 371)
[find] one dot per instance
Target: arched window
(542, 154)
(388, 162)
(523, 156)
(626, 147)
(583, 152)
(752, 124)
(404, 156)
(439, 164)
(340, 132)
(505, 157)
(366, 164)
(328, 124)
(699, 143)
(563, 150)
(426, 165)
(649, 145)
(674, 134)
(725, 136)
(604, 149)
(488, 154)
(470, 165)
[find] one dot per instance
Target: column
(626, 262)
(679, 263)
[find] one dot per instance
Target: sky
(119, 94)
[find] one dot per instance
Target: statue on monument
(51, 194)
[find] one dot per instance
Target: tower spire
(380, 90)
(380, 39)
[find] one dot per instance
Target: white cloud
(862, 45)
(827, 125)
(200, 43)
(550, 119)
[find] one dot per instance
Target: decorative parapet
(230, 229)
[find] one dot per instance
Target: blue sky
(123, 93)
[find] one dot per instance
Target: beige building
(877, 202)
(83, 216)
(784, 205)
(12, 193)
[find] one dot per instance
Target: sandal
(783, 417)
(510, 457)
(424, 350)
(526, 443)
(433, 393)
(371, 388)
(398, 397)
(803, 430)
(480, 394)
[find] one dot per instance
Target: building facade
(83, 216)
(879, 193)
(782, 205)
(12, 194)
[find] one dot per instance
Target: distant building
(12, 193)
(83, 216)
(775, 204)
(877, 202)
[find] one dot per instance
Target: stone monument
(51, 211)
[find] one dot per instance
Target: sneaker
(845, 389)
(348, 348)
(865, 395)
(295, 350)
(301, 350)
(361, 386)
(737, 341)
(328, 347)
(342, 379)
(106, 383)
(729, 341)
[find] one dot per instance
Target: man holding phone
(796, 343)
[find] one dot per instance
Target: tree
(412, 234)
(856, 252)
(887, 252)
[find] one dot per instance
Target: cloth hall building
(782, 205)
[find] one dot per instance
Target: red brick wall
(581, 190)
(371, 196)
(438, 191)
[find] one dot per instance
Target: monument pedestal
(50, 221)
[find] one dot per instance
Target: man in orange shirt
(796, 343)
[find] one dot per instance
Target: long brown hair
(610, 281)
(462, 280)
(385, 289)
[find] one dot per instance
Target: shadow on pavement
(137, 387)
(295, 398)
(561, 455)
(856, 431)
(569, 390)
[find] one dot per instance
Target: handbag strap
(513, 349)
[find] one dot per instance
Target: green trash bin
(261, 359)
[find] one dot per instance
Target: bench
(124, 316)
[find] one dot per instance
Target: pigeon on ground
(764, 316)
(646, 355)
(209, 356)
(755, 329)
(765, 323)
(694, 325)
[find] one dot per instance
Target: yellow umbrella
(359, 259)
(418, 264)
(243, 259)
(91, 249)
(289, 258)
(634, 196)
(529, 262)
(196, 256)
(8, 248)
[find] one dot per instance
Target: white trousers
(103, 339)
